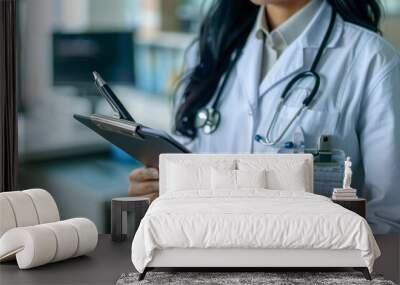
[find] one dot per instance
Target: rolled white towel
(45, 206)
(40, 244)
(7, 218)
(26, 208)
(32, 246)
(23, 208)
(87, 235)
(67, 240)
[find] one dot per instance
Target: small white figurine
(347, 174)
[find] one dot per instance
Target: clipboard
(142, 143)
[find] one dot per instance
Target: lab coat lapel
(290, 62)
(300, 54)
(248, 69)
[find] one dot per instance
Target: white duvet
(250, 219)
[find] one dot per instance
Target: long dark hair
(224, 31)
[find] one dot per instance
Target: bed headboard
(285, 170)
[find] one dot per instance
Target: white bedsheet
(250, 219)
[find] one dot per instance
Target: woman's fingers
(143, 181)
(143, 188)
(152, 196)
(143, 174)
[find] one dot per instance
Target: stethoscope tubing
(209, 125)
(266, 140)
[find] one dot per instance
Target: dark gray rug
(269, 278)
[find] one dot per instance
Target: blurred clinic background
(138, 47)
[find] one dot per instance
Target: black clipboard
(142, 143)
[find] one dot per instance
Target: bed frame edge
(363, 270)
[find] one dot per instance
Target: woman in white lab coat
(259, 50)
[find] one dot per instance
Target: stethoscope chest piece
(208, 120)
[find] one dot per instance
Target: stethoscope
(209, 118)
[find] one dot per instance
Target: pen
(111, 98)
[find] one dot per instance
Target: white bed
(247, 211)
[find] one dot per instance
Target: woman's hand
(144, 181)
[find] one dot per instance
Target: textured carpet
(233, 278)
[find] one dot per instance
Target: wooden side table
(119, 214)
(356, 205)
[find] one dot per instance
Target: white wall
(36, 25)
(391, 29)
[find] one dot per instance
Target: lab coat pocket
(314, 123)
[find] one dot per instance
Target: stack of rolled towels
(344, 194)
(31, 231)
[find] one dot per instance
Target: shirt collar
(291, 29)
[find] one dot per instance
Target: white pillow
(223, 179)
(251, 178)
(292, 179)
(282, 174)
(183, 178)
(188, 176)
(226, 179)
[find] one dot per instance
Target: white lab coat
(358, 103)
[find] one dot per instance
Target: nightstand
(119, 214)
(356, 205)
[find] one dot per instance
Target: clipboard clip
(116, 125)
